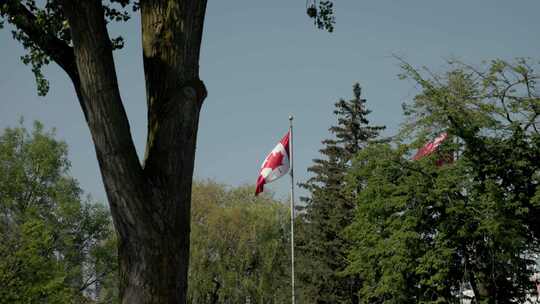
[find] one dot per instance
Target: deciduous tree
(425, 232)
(240, 247)
(54, 243)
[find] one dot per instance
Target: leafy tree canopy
(424, 232)
(240, 247)
(55, 245)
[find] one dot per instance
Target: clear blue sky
(262, 60)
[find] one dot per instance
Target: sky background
(264, 60)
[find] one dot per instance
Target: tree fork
(150, 203)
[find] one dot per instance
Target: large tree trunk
(150, 202)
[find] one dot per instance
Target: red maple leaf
(273, 161)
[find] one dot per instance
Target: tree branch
(106, 117)
(57, 49)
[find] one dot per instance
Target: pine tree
(329, 209)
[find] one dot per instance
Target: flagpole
(292, 204)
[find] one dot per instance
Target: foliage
(48, 16)
(329, 209)
(58, 248)
(423, 233)
(51, 238)
(323, 15)
(494, 113)
(239, 247)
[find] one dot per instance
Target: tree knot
(195, 89)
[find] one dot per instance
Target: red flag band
(430, 147)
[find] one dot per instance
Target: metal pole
(292, 203)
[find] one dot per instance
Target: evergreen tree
(329, 209)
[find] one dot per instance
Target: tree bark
(150, 203)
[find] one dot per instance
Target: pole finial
(291, 117)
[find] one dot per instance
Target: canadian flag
(275, 165)
(430, 147)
